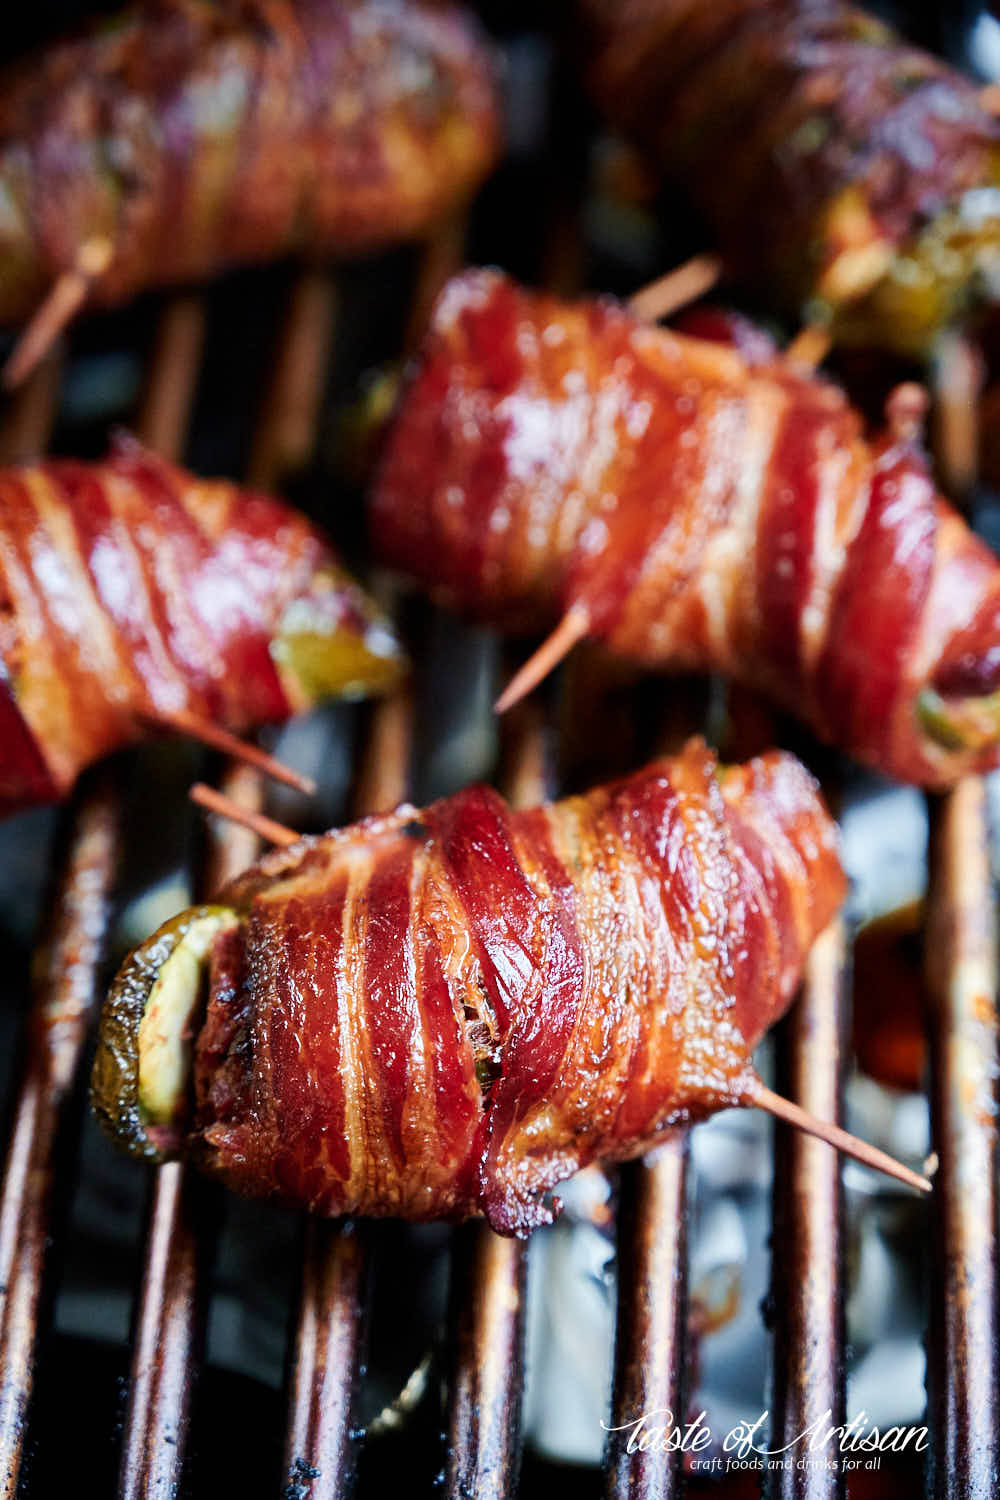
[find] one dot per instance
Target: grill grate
(484, 1371)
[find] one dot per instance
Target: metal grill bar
(486, 1320)
(486, 1310)
(169, 1317)
(330, 1336)
(168, 1334)
(331, 1329)
(173, 376)
(958, 376)
(964, 1347)
(57, 1026)
(651, 1323)
(441, 257)
(171, 1311)
(806, 1271)
(172, 1306)
(27, 421)
(329, 1350)
(652, 1319)
(63, 1003)
(286, 433)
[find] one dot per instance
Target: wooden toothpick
(758, 1096)
(669, 293)
(225, 807)
(573, 626)
(230, 744)
(66, 296)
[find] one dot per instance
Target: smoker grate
(484, 1370)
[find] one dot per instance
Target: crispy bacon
(700, 510)
(873, 165)
(129, 589)
(444, 1013)
(192, 135)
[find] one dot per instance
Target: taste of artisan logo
(844, 1447)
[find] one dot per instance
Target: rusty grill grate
(486, 1310)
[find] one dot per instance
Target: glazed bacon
(444, 1013)
(873, 166)
(129, 589)
(188, 135)
(693, 507)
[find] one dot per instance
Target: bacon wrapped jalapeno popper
(697, 508)
(873, 165)
(446, 1012)
(131, 591)
(188, 135)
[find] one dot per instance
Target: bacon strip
(444, 1013)
(192, 135)
(873, 165)
(130, 589)
(704, 508)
